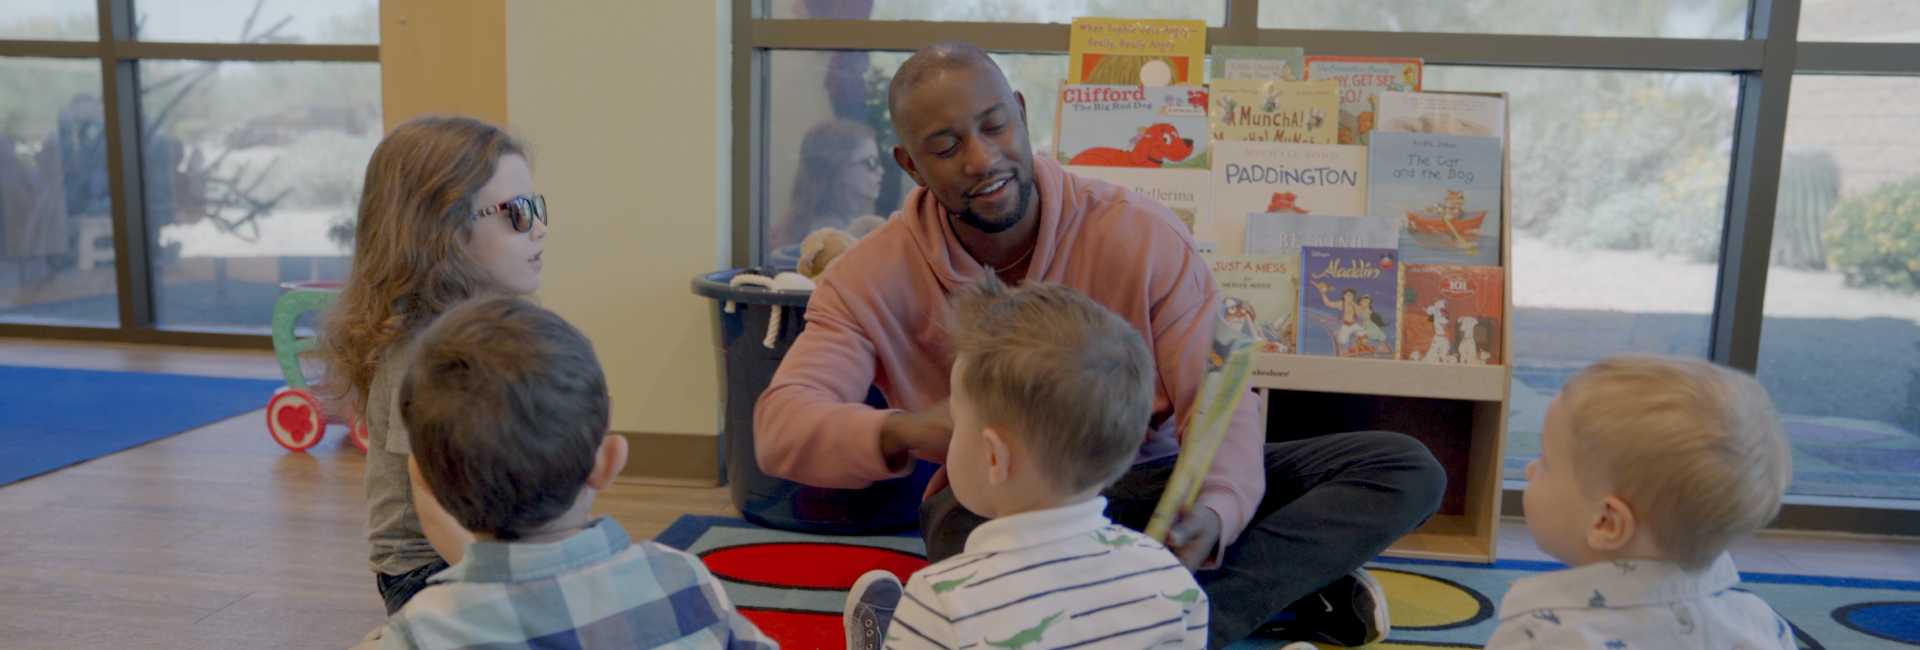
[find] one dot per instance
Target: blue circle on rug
(1893, 621)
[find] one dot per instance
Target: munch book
(1274, 111)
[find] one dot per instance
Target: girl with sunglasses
(447, 213)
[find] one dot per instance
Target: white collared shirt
(1060, 578)
(1637, 604)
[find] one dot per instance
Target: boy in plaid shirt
(507, 408)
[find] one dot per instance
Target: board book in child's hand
(1147, 127)
(1229, 370)
(1447, 190)
(1150, 52)
(1452, 314)
(1349, 301)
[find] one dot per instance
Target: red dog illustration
(1155, 146)
(1285, 202)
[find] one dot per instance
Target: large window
(56, 218)
(1840, 348)
(1003, 11)
(1619, 197)
(1664, 18)
(1650, 140)
(168, 194)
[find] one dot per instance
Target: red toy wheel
(294, 419)
(357, 434)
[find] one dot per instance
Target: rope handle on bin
(786, 281)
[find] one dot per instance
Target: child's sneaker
(869, 609)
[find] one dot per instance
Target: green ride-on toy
(295, 417)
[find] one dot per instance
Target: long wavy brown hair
(820, 196)
(409, 254)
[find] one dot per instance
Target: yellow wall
(443, 56)
(625, 106)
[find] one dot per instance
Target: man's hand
(1194, 536)
(924, 434)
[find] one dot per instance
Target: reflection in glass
(56, 207)
(259, 21)
(1725, 19)
(252, 178)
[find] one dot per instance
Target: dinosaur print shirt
(1060, 578)
(1638, 605)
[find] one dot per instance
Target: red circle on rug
(808, 565)
(798, 629)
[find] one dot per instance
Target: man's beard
(989, 226)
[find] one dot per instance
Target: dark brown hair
(506, 407)
(1048, 365)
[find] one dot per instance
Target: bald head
(963, 136)
(928, 61)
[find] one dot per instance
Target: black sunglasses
(521, 210)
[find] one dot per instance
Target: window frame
(119, 55)
(1765, 62)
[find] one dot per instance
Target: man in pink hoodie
(1276, 525)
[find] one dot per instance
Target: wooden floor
(218, 538)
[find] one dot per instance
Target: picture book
(1184, 191)
(1442, 113)
(1258, 295)
(1349, 301)
(1247, 62)
(1286, 234)
(1281, 177)
(1228, 380)
(1452, 314)
(1132, 126)
(1274, 111)
(1145, 52)
(1446, 188)
(1361, 80)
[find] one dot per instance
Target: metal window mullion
(1242, 26)
(1858, 58)
(747, 152)
(50, 49)
(1759, 141)
(120, 92)
(248, 51)
(1515, 50)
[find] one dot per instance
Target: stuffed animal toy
(820, 248)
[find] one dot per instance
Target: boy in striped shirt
(1050, 398)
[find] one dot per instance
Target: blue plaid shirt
(596, 589)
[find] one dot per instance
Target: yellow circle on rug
(1419, 601)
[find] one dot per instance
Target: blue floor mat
(54, 417)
